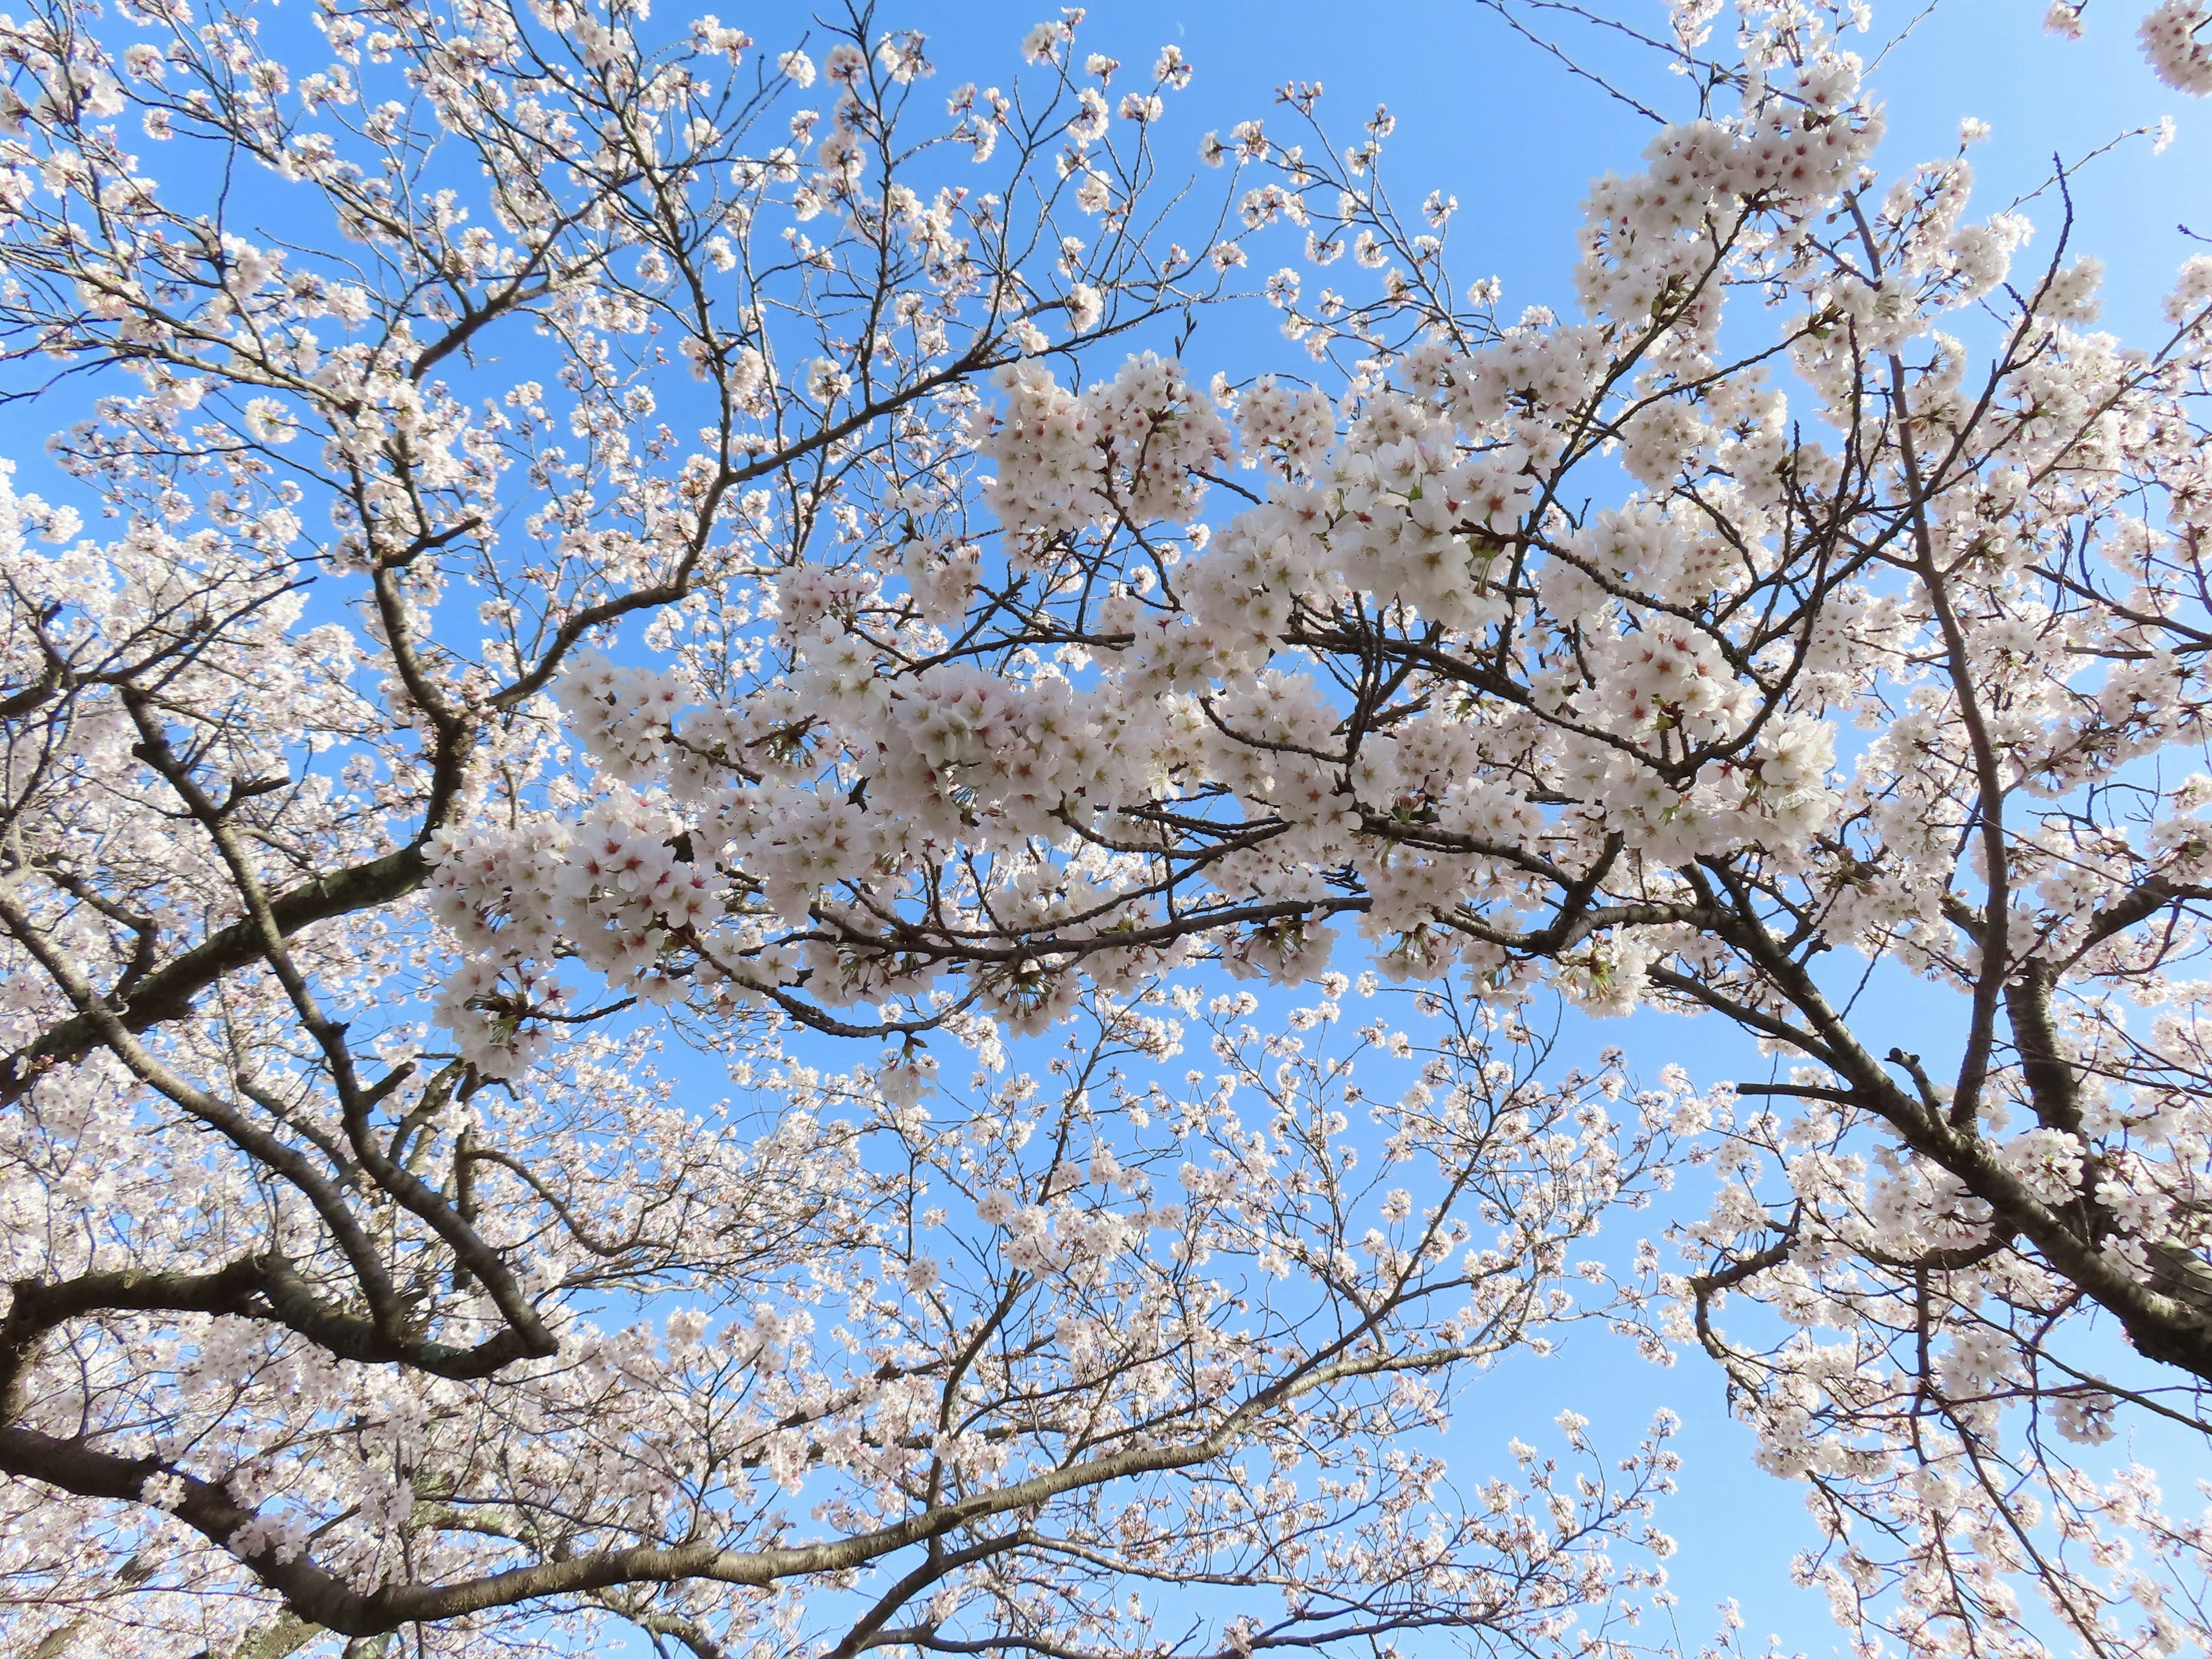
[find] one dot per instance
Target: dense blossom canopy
(604, 555)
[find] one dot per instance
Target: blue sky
(1486, 117)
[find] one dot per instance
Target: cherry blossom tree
(343, 1307)
(607, 556)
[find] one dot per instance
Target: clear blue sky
(1488, 118)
